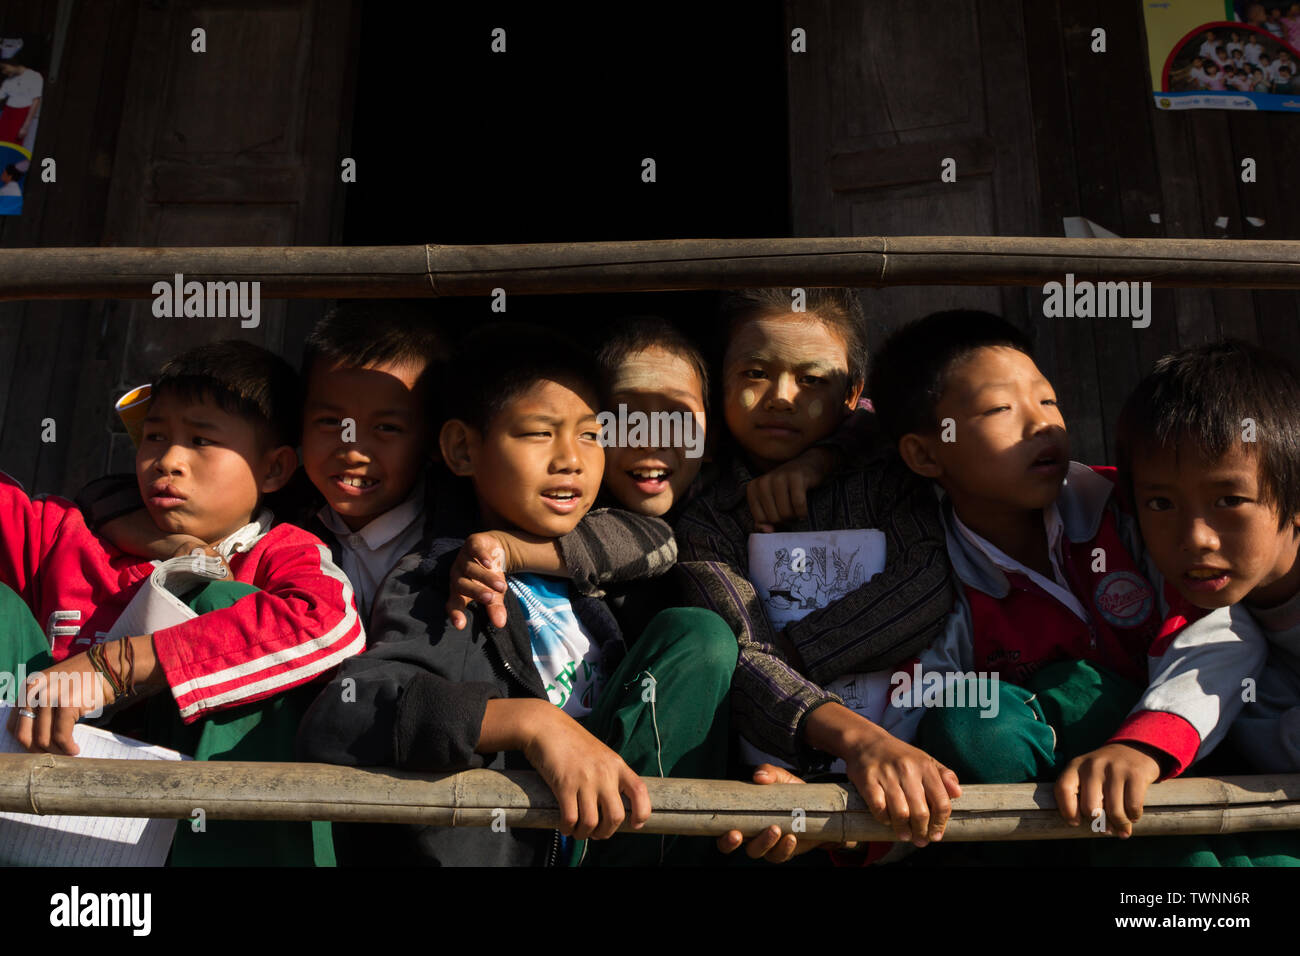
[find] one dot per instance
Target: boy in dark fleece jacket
(553, 689)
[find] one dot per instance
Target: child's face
(647, 480)
(373, 472)
(202, 471)
(785, 385)
(1008, 450)
(1208, 531)
(537, 466)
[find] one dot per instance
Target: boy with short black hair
(364, 420)
(1057, 614)
(547, 690)
(273, 615)
(1209, 448)
(367, 415)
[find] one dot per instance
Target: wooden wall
(1042, 128)
(56, 358)
(158, 145)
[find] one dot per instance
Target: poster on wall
(22, 89)
(1224, 54)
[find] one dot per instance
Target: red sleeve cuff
(1168, 733)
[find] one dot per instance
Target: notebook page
(799, 572)
(28, 839)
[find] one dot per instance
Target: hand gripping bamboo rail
(672, 264)
(47, 784)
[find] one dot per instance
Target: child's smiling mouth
(650, 481)
(355, 485)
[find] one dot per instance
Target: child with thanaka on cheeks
(790, 380)
(652, 369)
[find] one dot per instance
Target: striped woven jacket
(886, 621)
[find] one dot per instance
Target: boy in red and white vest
(1060, 616)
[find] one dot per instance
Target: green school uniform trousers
(665, 710)
(264, 730)
(1063, 711)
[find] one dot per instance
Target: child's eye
(153, 436)
(386, 427)
(1231, 501)
(591, 436)
(754, 373)
(1000, 408)
(201, 442)
(537, 435)
(327, 422)
(1051, 401)
(1159, 504)
(812, 381)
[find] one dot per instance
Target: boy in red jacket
(275, 615)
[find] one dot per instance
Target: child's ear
(280, 467)
(915, 451)
(458, 443)
(854, 393)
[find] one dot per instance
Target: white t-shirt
(564, 654)
(23, 89)
(1252, 50)
(366, 556)
(11, 189)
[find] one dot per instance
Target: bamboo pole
(658, 265)
(47, 784)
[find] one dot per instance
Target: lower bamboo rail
(45, 784)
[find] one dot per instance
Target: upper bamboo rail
(46, 784)
(643, 266)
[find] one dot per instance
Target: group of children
(465, 571)
(1245, 62)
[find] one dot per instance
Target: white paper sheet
(28, 839)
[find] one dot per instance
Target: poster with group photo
(22, 89)
(1224, 54)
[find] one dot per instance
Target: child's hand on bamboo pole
(903, 787)
(588, 779)
(1113, 780)
(771, 845)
